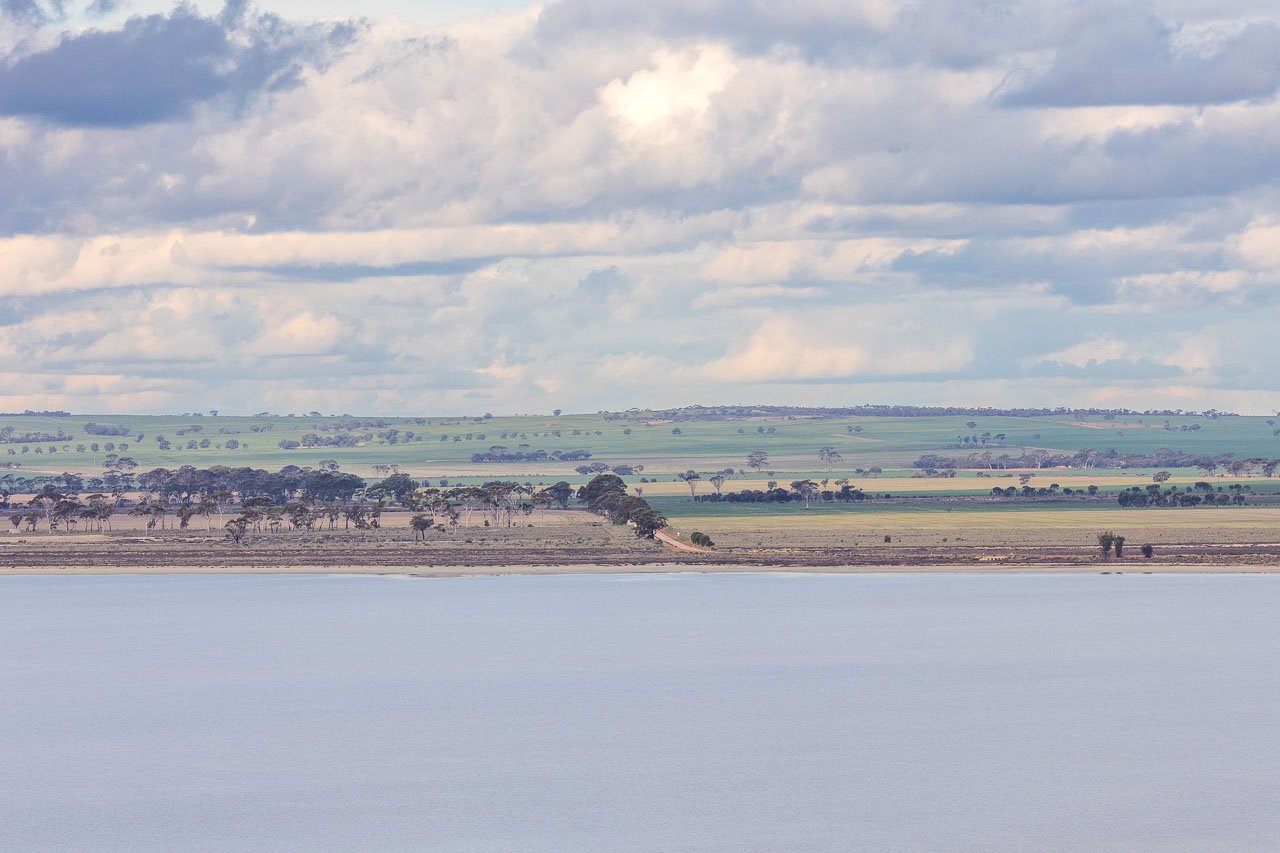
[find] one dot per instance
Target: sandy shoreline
(654, 568)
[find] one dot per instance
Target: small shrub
(888, 538)
(1148, 551)
(1105, 541)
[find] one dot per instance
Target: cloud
(728, 297)
(613, 204)
(1108, 371)
(158, 67)
(943, 33)
(781, 351)
(51, 263)
(786, 351)
(603, 284)
(305, 333)
(752, 25)
(1127, 55)
(102, 8)
(32, 12)
(1143, 356)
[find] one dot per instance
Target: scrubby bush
(1105, 541)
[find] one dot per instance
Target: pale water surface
(716, 712)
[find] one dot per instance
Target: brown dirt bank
(190, 555)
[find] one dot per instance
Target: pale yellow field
(1001, 529)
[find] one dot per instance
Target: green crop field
(439, 446)
(878, 455)
(958, 515)
(998, 519)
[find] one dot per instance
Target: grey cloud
(943, 33)
(158, 67)
(1130, 57)
(1105, 51)
(516, 163)
(11, 313)
(99, 8)
(1084, 275)
(985, 161)
(603, 283)
(33, 12)
(1110, 369)
(352, 272)
(753, 25)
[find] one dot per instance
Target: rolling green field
(439, 449)
(1015, 512)
(444, 446)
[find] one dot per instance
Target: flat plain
(911, 514)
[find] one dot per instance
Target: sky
(424, 208)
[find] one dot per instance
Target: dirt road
(676, 545)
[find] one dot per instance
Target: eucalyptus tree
(806, 490)
(67, 512)
(219, 502)
(470, 498)
(502, 500)
(236, 529)
(541, 500)
(101, 508)
(560, 492)
(421, 524)
(46, 504)
(301, 515)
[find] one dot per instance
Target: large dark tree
(560, 493)
(399, 485)
(600, 485)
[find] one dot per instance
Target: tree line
(498, 453)
(106, 429)
(801, 490)
(9, 436)
(247, 500)
(721, 413)
(1201, 494)
(1091, 458)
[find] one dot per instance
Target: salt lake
(640, 712)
